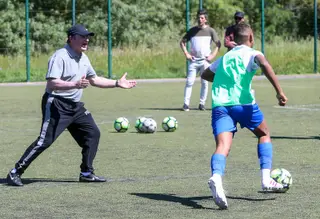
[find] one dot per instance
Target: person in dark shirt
(229, 34)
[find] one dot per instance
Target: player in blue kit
(233, 102)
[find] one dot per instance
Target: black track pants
(59, 114)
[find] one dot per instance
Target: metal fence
(187, 19)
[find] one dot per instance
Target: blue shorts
(225, 118)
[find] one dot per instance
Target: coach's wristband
(117, 83)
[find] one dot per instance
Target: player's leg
(54, 123)
(204, 86)
(253, 119)
(223, 129)
(265, 152)
(86, 133)
(191, 77)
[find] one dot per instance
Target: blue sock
(265, 155)
(218, 164)
(85, 173)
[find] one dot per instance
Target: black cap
(239, 14)
(79, 29)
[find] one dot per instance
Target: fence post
(262, 26)
(187, 28)
(73, 12)
(109, 41)
(200, 4)
(27, 41)
(315, 67)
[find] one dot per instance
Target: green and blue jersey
(233, 76)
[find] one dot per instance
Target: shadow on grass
(27, 181)
(187, 201)
(190, 201)
(251, 199)
(272, 192)
(296, 137)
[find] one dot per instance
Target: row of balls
(146, 125)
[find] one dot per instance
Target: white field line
(306, 107)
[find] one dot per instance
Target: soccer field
(161, 175)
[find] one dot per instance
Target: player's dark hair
(241, 33)
(202, 12)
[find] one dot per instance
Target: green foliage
(12, 35)
(163, 61)
(221, 12)
(148, 23)
(140, 22)
(305, 17)
(53, 36)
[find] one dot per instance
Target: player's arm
(109, 83)
(183, 46)
(217, 43)
(228, 43)
(214, 51)
(58, 84)
(97, 81)
(208, 75)
(269, 73)
(102, 82)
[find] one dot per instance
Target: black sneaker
(185, 108)
(201, 107)
(13, 179)
(91, 178)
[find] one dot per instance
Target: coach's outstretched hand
(126, 84)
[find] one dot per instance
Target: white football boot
(272, 185)
(215, 185)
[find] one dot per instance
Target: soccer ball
(121, 124)
(169, 124)
(139, 124)
(149, 125)
(282, 176)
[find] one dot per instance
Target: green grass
(161, 175)
(163, 61)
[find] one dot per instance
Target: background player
(201, 38)
(229, 42)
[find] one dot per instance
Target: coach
(69, 72)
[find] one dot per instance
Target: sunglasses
(238, 18)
